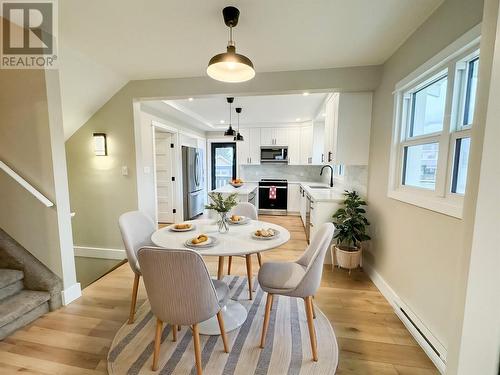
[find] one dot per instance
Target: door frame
(171, 198)
(212, 141)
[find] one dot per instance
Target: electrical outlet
(124, 170)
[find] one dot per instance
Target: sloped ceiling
(104, 44)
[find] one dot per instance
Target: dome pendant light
(230, 66)
(238, 137)
(230, 131)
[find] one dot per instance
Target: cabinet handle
(322, 158)
(250, 160)
(330, 156)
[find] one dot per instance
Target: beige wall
(416, 251)
(25, 146)
(98, 191)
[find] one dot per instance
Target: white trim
(397, 303)
(70, 294)
(25, 184)
(99, 252)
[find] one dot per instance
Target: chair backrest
(245, 209)
(178, 285)
(136, 229)
(313, 259)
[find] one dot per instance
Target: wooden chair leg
(220, 269)
(135, 288)
(249, 275)
(174, 333)
(310, 325)
(197, 349)
(259, 258)
(156, 353)
(313, 309)
(229, 263)
(269, 303)
(222, 331)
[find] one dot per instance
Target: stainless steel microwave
(277, 155)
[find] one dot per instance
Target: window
(434, 114)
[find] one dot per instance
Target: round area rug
(287, 350)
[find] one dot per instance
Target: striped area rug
(287, 350)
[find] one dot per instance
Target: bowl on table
(237, 183)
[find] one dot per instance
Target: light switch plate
(124, 170)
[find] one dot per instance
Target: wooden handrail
(25, 184)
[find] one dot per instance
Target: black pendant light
(230, 131)
(238, 137)
(230, 66)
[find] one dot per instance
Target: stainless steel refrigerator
(193, 182)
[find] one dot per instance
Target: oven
(269, 205)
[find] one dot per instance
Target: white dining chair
(300, 279)
(249, 210)
(181, 292)
(136, 229)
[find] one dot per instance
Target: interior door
(223, 161)
(164, 188)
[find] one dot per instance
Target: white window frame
(450, 61)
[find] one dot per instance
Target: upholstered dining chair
(136, 229)
(249, 210)
(300, 279)
(181, 292)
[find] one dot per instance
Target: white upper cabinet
(305, 140)
(294, 149)
(249, 148)
(347, 128)
(274, 137)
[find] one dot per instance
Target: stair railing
(25, 184)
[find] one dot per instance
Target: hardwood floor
(76, 338)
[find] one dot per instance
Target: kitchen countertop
(246, 189)
(333, 194)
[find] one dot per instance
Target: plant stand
(348, 260)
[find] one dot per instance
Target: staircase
(18, 306)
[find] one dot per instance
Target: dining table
(239, 240)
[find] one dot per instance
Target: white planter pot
(347, 259)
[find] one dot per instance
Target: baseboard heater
(420, 332)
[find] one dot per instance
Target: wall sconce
(100, 144)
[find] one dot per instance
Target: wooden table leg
(220, 269)
(259, 258)
(249, 275)
(229, 264)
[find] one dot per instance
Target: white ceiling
(256, 110)
(172, 38)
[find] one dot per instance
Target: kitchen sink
(319, 187)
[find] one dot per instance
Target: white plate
(174, 229)
(276, 235)
(212, 241)
(244, 220)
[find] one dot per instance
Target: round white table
(238, 241)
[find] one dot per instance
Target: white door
(164, 188)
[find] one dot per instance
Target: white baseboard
(99, 252)
(429, 343)
(70, 294)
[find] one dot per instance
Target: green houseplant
(222, 206)
(350, 230)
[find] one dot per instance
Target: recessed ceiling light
(305, 93)
(191, 99)
(297, 119)
(222, 121)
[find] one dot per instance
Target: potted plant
(350, 230)
(222, 206)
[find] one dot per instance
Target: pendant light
(230, 66)
(238, 137)
(230, 131)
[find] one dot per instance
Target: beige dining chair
(136, 229)
(300, 279)
(181, 292)
(249, 210)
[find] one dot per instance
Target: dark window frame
(213, 147)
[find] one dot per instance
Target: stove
(273, 196)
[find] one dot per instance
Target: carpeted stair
(18, 306)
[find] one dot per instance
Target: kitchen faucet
(331, 173)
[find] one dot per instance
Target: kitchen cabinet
(321, 212)
(293, 198)
(249, 149)
(305, 140)
(294, 146)
(347, 128)
(274, 137)
(303, 205)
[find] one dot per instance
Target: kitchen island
(246, 193)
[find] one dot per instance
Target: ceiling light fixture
(191, 99)
(230, 131)
(305, 94)
(230, 66)
(238, 137)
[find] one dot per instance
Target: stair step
(20, 309)
(8, 276)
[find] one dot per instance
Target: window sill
(447, 206)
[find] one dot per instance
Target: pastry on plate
(182, 226)
(265, 233)
(200, 239)
(235, 218)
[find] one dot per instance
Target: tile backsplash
(288, 172)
